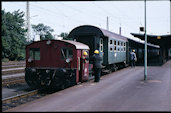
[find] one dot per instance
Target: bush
(5, 60)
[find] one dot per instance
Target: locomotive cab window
(66, 53)
(34, 54)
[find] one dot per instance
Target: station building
(164, 41)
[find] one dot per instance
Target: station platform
(123, 90)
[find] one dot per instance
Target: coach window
(114, 45)
(34, 53)
(118, 46)
(66, 53)
(111, 41)
(124, 46)
(101, 44)
(111, 49)
(111, 45)
(121, 48)
(115, 42)
(118, 49)
(101, 41)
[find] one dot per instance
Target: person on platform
(96, 60)
(133, 58)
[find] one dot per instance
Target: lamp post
(145, 47)
(28, 20)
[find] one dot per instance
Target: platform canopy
(162, 40)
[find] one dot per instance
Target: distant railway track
(12, 81)
(13, 63)
(13, 71)
(13, 66)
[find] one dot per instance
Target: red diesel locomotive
(55, 64)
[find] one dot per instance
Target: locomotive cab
(55, 64)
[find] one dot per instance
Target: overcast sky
(63, 16)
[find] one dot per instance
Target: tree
(43, 30)
(13, 35)
(65, 36)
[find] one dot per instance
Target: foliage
(5, 60)
(43, 30)
(65, 36)
(13, 35)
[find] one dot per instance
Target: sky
(63, 16)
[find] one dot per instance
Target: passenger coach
(113, 48)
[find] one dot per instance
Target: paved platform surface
(124, 90)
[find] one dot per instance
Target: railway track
(12, 73)
(12, 76)
(13, 66)
(14, 101)
(12, 81)
(12, 70)
(13, 63)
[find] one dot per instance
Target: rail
(18, 99)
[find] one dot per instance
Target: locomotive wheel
(58, 79)
(32, 81)
(62, 87)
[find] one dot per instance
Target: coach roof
(93, 30)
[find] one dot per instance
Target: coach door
(84, 68)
